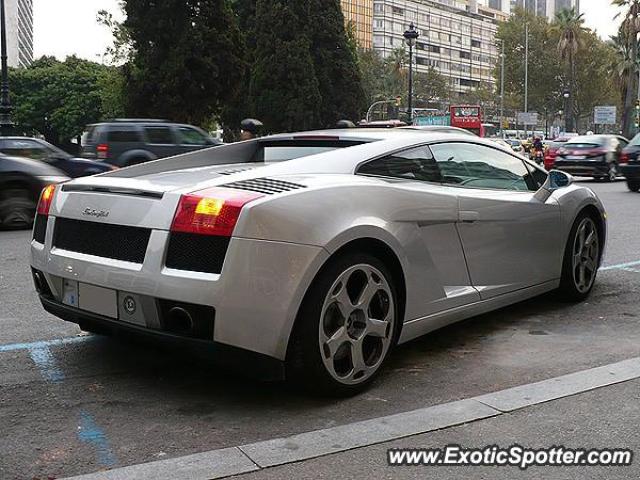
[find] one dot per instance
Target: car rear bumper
(255, 298)
(632, 172)
(587, 168)
(252, 363)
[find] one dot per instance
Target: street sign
(604, 115)
(528, 118)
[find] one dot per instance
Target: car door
(190, 139)
(161, 140)
(511, 240)
(439, 268)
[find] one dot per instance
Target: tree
(629, 30)
(187, 58)
(58, 99)
(120, 51)
(570, 24)
(335, 63)
(284, 87)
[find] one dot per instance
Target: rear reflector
(213, 211)
(46, 199)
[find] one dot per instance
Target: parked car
(595, 156)
(21, 182)
(312, 254)
(551, 152)
(126, 142)
(43, 151)
(630, 163)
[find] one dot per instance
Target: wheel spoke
(343, 301)
(357, 357)
(367, 294)
(376, 328)
(336, 341)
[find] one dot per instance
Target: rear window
(579, 145)
(635, 140)
(123, 136)
(280, 151)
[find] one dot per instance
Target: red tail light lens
(102, 150)
(46, 199)
(624, 158)
(213, 211)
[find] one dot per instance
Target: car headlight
(53, 179)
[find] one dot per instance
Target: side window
(477, 166)
(123, 136)
(414, 164)
(25, 148)
(191, 136)
(538, 176)
(159, 135)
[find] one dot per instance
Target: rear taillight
(102, 151)
(46, 199)
(213, 211)
(624, 157)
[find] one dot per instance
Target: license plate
(576, 157)
(102, 301)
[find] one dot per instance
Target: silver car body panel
(462, 251)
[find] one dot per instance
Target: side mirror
(555, 181)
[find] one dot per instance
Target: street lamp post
(568, 127)
(6, 125)
(410, 36)
(502, 89)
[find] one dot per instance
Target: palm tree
(629, 29)
(625, 63)
(570, 24)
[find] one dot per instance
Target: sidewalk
(608, 417)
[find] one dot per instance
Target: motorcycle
(538, 157)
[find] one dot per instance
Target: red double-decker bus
(468, 117)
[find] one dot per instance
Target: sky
(66, 27)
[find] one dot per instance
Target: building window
(397, 11)
(475, 43)
(465, 55)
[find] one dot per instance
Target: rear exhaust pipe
(180, 320)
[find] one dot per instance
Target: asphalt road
(99, 403)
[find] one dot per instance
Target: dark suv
(127, 142)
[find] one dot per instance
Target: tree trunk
(628, 124)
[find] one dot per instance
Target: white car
(313, 254)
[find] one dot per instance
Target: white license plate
(102, 301)
(576, 157)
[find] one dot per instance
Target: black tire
(305, 366)
(17, 209)
(633, 186)
(569, 291)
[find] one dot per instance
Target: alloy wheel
(357, 324)
(586, 252)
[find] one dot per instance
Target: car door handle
(467, 216)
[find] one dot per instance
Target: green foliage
(388, 78)
(58, 99)
(284, 86)
(335, 63)
(561, 55)
(187, 58)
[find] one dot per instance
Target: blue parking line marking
(621, 266)
(46, 363)
(12, 347)
(89, 432)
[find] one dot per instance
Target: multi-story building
(546, 8)
(19, 18)
(455, 40)
(358, 14)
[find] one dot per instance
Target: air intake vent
(231, 171)
(264, 185)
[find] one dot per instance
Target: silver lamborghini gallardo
(312, 254)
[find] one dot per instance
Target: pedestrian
(250, 128)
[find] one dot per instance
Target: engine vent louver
(267, 186)
(231, 171)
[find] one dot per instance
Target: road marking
(620, 266)
(12, 347)
(89, 432)
(46, 363)
(247, 458)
